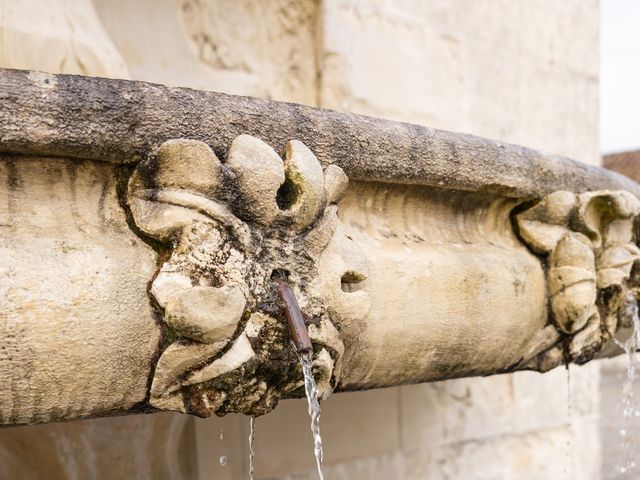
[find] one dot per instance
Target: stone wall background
(522, 72)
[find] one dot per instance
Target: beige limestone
(205, 314)
(344, 270)
(260, 172)
(229, 245)
(264, 48)
(502, 69)
(67, 254)
(59, 36)
(387, 241)
(589, 241)
(421, 245)
(457, 81)
(508, 76)
(511, 77)
(192, 164)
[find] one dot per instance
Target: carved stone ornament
(589, 244)
(227, 229)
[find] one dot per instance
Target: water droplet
(223, 460)
(221, 434)
(623, 432)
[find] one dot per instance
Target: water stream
(568, 470)
(629, 409)
(252, 440)
(311, 390)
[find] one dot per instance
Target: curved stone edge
(121, 121)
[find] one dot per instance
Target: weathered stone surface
(260, 174)
(78, 334)
(396, 253)
(590, 243)
(121, 121)
(546, 76)
(206, 314)
(226, 244)
(305, 184)
(523, 76)
(420, 247)
(184, 163)
(336, 183)
(178, 360)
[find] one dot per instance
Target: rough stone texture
(384, 249)
(206, 314)
(495, 70)
(228, 233)
(419, 240)
(67, 252)
(66, 37)
(591, 247)
(120, 121)
(480, 76)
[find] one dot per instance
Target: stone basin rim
(122, 121)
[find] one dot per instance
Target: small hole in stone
(635, 272)
(352, 281)
(287, 195)
(280, 274)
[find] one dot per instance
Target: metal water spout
(302, 342)
(297, 327)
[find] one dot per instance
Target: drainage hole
(352, 281)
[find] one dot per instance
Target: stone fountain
(142, 225)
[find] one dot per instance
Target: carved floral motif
(589, 243)
(230, 227)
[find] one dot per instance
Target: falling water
(630, 345)
(252, 439)
(569, 463)
(314, 408)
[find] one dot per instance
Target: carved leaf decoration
(588, 242)
(572, 282)
(599, 213)
(615, 263)
(229, 225)
(543, 225)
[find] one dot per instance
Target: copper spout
(297, 328)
